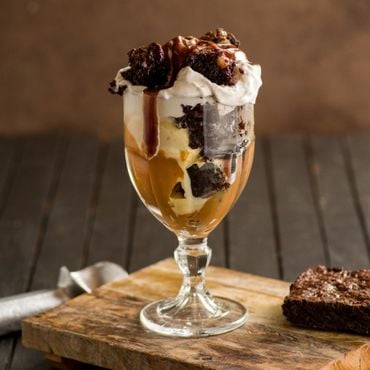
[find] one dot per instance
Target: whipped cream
(192, 84)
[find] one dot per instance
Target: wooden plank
(64, 241)
(358, 156)
(357, 359)
(10, 150)
(22, 219)
(24, 212)
(65, 236)
(299, 235)
(6, 346)
(103, 328)
(346, 243)
(110, 236)
(251, 237)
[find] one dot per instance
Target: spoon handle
(15, 308)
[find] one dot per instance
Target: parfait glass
(189, 159)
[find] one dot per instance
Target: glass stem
(193, 312)
(193, 256)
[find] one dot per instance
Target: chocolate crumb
(178, 192)
(220, 36)
(113, 89)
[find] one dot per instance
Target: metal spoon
(15, 308)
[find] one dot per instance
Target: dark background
(57, 57)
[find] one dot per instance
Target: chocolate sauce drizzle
(180, 49)
(150, 114)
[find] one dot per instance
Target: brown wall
(57, 56)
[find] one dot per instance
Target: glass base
(187, 317)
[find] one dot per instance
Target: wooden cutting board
(103, 328)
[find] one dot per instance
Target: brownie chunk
(206, 180)
(193, 120)
(213, 64)
(330, 299)
(218, 136)
(150, 66)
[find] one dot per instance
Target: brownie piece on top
(330, 299)
(156, 66)
(211, 63)
(150, 66)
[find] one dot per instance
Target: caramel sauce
(154, 179)
(138, 169)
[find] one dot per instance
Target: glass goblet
(189, 159)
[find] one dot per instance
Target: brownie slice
(330, 299)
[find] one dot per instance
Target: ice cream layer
(174, 143)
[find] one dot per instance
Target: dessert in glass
(189, 144)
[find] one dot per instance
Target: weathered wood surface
(23, 219)
(358, 359)
(298, 226)
(251, 241)
(345, 238)
(114, 211)
(103, 328)
(68, 200)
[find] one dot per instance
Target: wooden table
(68, 201)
